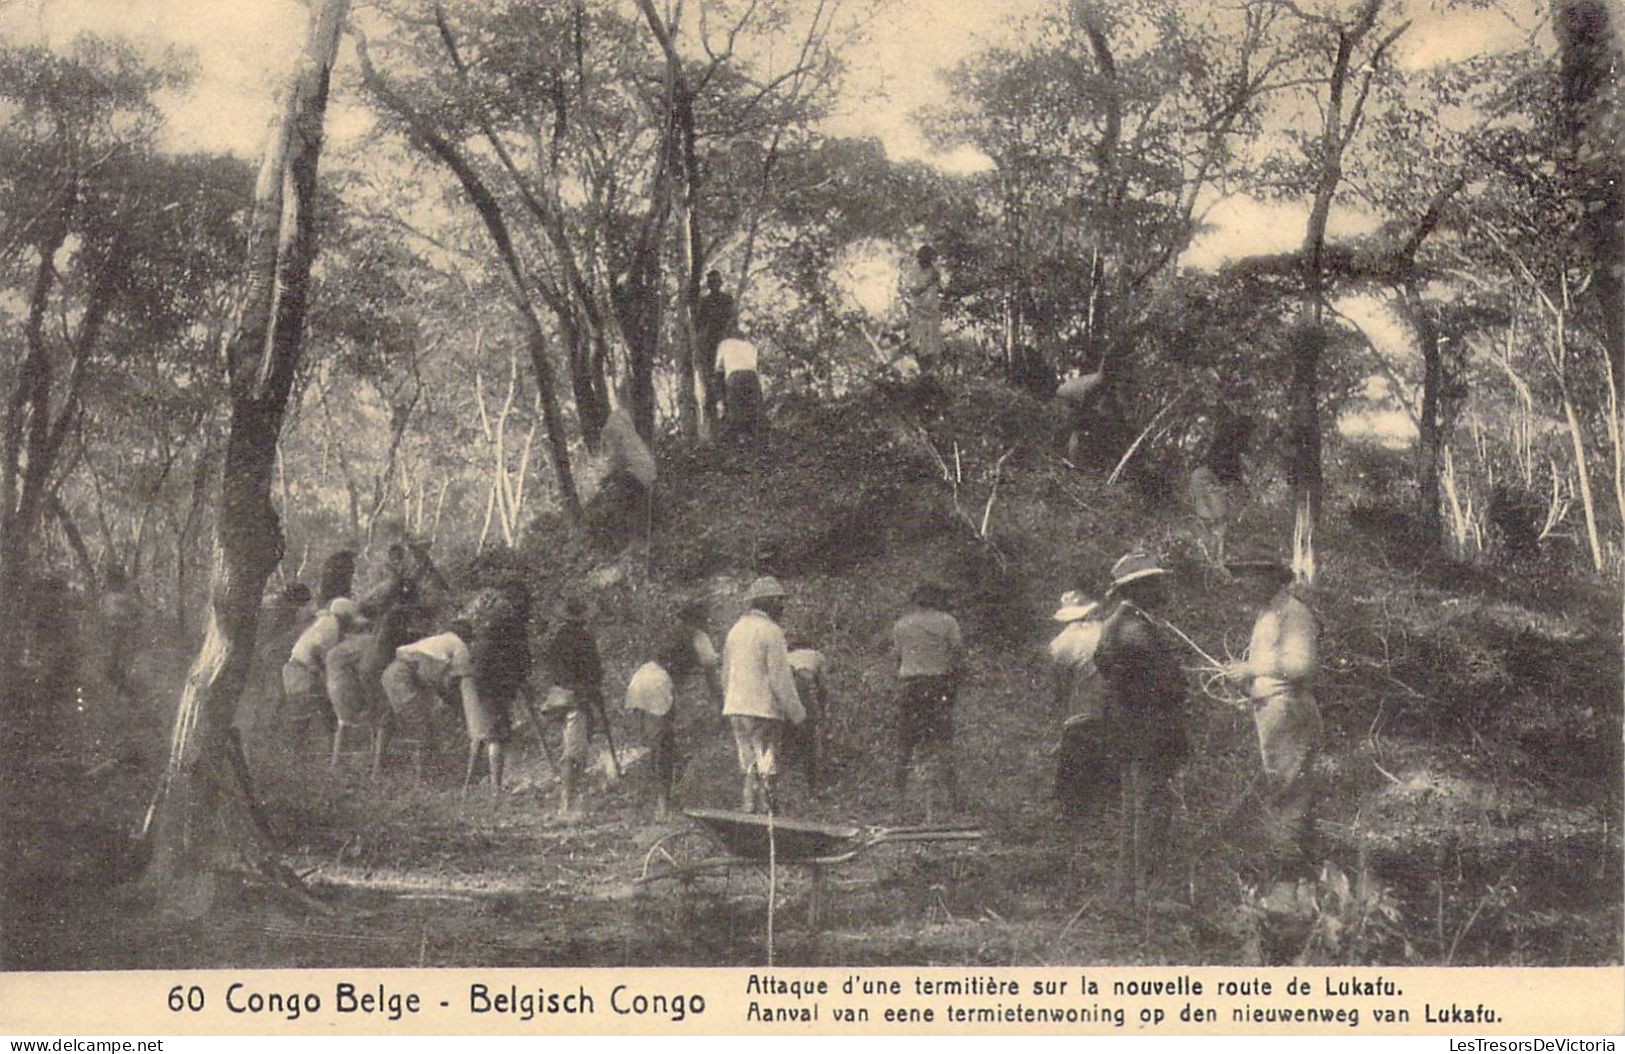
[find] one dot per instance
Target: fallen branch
(955, 476)
(998, 471)
(1129, 453)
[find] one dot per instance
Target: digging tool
(609, 733)
(536, 724)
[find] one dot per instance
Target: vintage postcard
(837, 517)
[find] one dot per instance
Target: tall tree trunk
(1415, 314)
(34, 438)
(637, 310)
(1110, 189)
(680, 100)
(202, 823)
(688, 203)
(1339, 124)
(75, 540)
(27, 404)
(496, 226)
(1592, 40)
(1430, 441)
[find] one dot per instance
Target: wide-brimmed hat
(1133, 567)
(347, 610)
(765, 588)
(1075, 605)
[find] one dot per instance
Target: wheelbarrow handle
(960, 835)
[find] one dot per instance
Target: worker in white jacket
(758, 690)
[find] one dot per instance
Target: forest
(1382, 239)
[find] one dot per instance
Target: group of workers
(729, 367)
(360, 664)
(1118, 675)
(1118, 667)
(731, 381)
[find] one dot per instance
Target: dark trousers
(744, 403)
(663, 759)
(1086, 774)
(801, 741)
(925, 727)
(1147, 816)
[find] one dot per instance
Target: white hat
(1075, 605)
(345, 609)
(1133, 567)
(764, 588)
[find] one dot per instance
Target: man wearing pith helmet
(1279, 673)
(1144, 714)
(758, 690)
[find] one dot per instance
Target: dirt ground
(420, 874)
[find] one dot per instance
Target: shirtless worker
(809, 668)
(1279, 675)
(576, 669)
(714, 320)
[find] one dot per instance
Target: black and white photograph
(811, 483)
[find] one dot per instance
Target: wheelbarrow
(755, 840)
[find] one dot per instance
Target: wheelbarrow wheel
(679, 862)
(681, 856)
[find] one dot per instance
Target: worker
(714, 320)
(1144, 714)
(396, 584)
(304, 675)
(929, 650)
(502, 662)
(759, 691)
(921, 287)
(337, 578)
(423, 673)
(801, 746)
(1215, 483)
(283, 616)
(685, 655)
(355, 691)
(576, 670)
(1077, 395)
(742, 386)
(1085, 772)
(625, 499)
(1278, 673)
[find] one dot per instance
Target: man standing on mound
(759, 691)
(741, 386)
